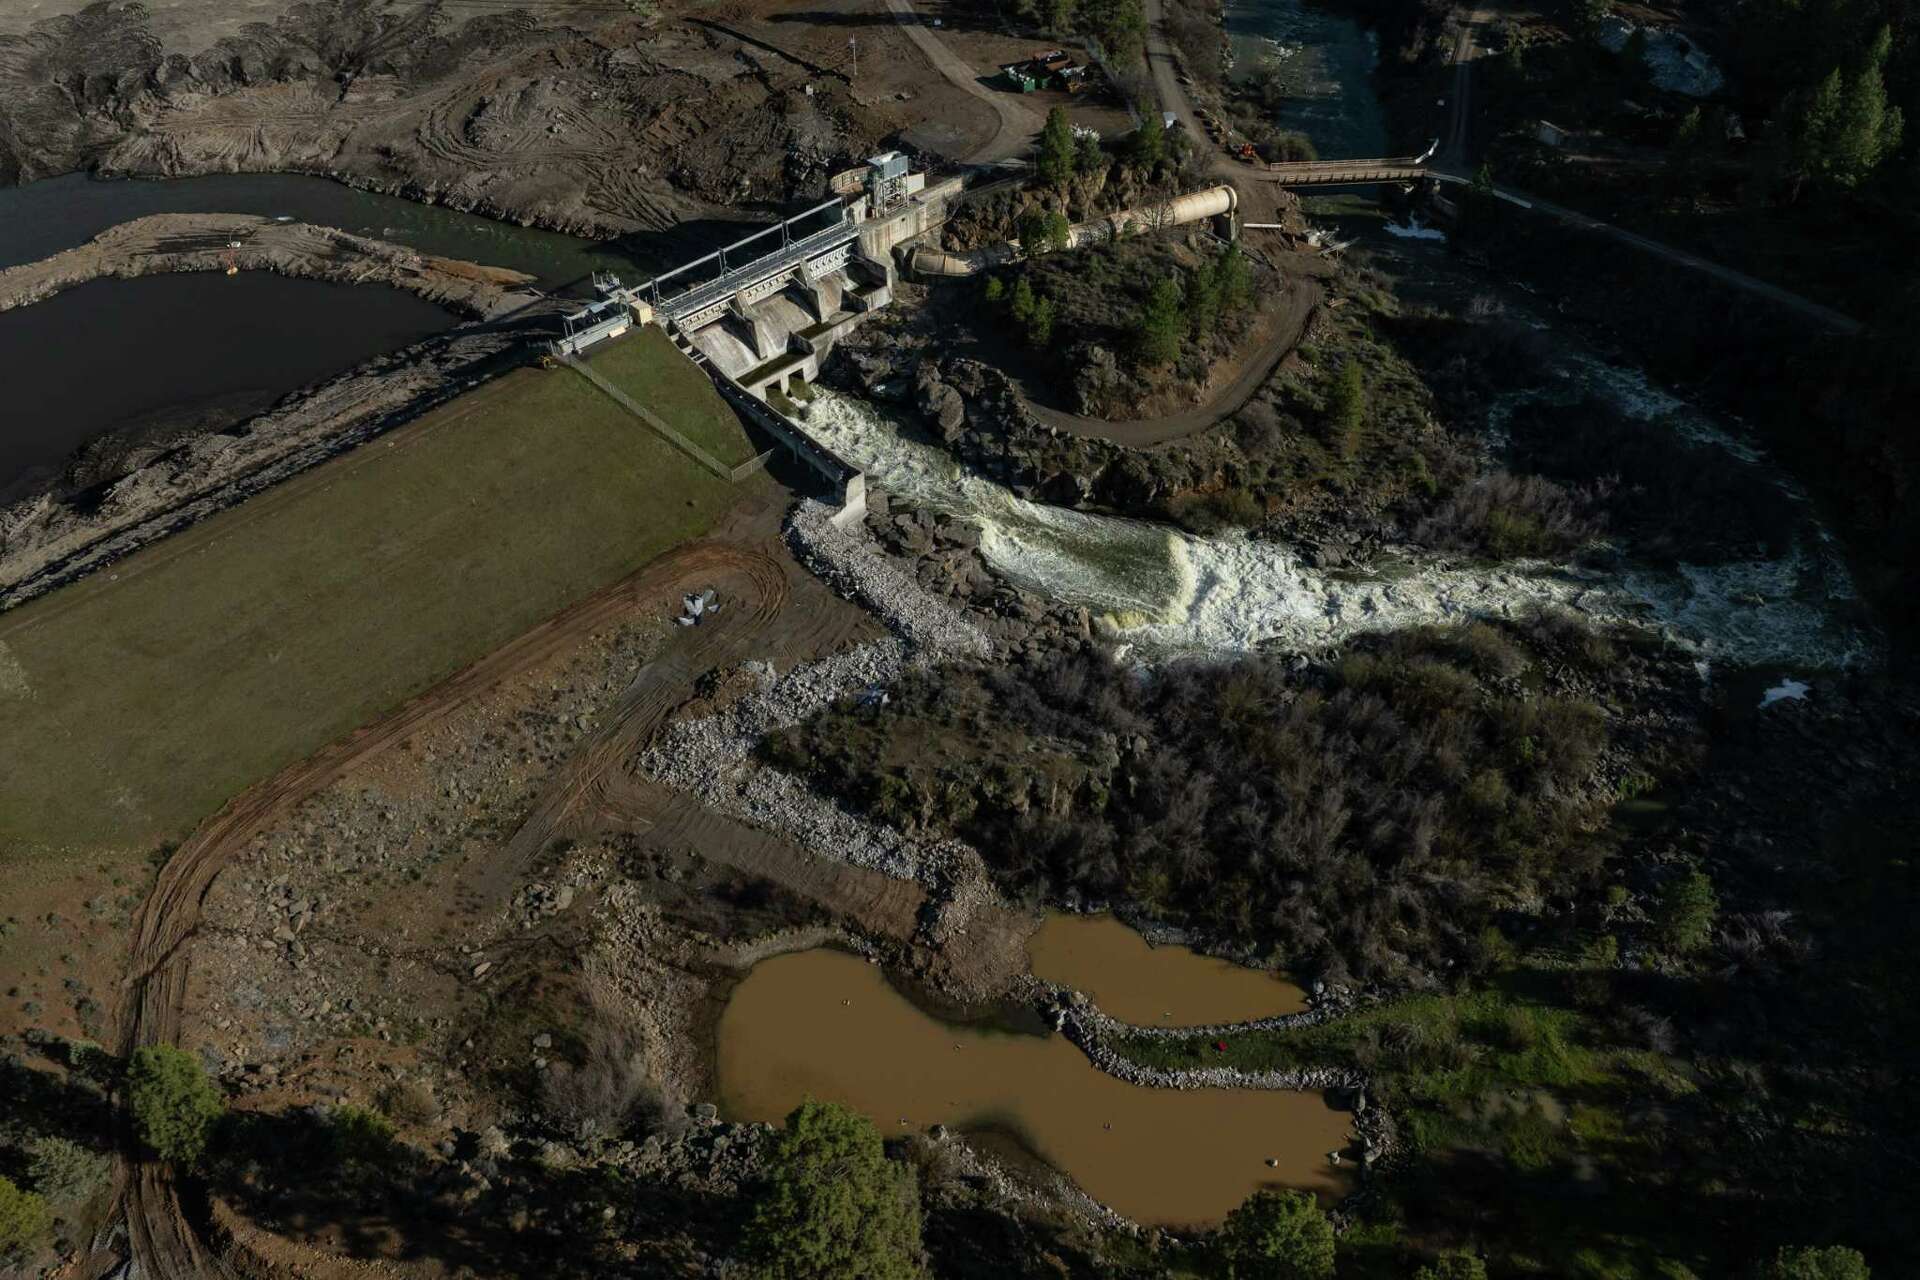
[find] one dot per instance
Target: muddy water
(1154, 986)
(826, 1025)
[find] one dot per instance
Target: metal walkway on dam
(811, 256)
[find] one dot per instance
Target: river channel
(1323, 60)
(824, 1024)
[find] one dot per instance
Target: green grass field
(645, 366)
(137, 701)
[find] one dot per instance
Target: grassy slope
(160, 689)
(645, 366)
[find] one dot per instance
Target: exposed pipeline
(1213, 202)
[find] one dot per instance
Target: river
(1167, 590)
(1323, 60)
(826, 1025)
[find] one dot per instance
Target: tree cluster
(1031, 313)
(1366, 819)
(1219, 289)
(1119, 25)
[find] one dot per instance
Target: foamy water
(1169, 590)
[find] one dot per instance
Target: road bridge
(1332, 173)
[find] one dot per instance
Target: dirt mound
(606, 125)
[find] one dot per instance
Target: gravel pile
(712, 757)
(854, 565)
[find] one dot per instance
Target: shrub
(174, 1105)
(1685, 912)
(1453, 1266)
(359, 1136)
(1807, 1263)
(65, 1170)
(410, 1103)
(1277, 1235)
(603, 1093)
(1347, 408)
(834, 1205)
(24, 1217)
(1507, 516)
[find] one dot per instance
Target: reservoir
(42, 218)
(153, 356)
(161, 356)
(1147, 985)
(824, 1024)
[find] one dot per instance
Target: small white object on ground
(1788, 689)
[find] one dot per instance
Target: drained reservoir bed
(824, 1024)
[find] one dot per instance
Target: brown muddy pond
(827, 1025)
(1134, 981)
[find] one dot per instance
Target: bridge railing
(784, 228)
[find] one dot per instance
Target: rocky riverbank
(170, 242)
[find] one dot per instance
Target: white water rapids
(1168, 590)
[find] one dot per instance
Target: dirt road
(1283, 335)
(153, 994)
(1018, 122)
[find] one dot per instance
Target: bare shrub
(410, 1102)
(1508, 516)
(609, 1088)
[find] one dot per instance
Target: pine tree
(834, 1206)
(1844, 127)
(1149, 144)
(174, 1104)
(1277, 1235)
(1235, 277)
(1040, 324)
(1203, 300)
(1157, 334)
(1022, 306)
(1054, 162)
(24, 1217)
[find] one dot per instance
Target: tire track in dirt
(153, 995)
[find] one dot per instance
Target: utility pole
(853, 43)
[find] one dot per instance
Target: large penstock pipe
(1199, 205)
(1210, 203)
